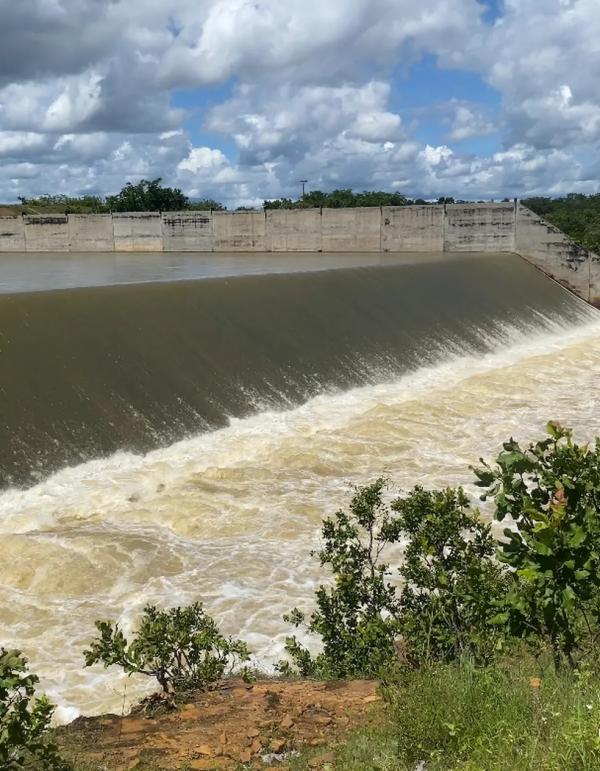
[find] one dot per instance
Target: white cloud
(203, 160)
(467, 122)
(91, 104)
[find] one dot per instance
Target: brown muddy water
(181, 440)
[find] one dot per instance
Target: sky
(239, 100)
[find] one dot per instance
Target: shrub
(551, 489)
(356, 618)
(446, 605)
(451, 582)
(25, 740)
(181, 647)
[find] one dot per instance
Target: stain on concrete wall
(187, 231)
(12, 234)
(351, 230)
(46, 233)
(412, 228)
(240, 231)
(137, 232)
(294, 230)
(91, 233)
(479, 227)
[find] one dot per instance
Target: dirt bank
(254, 726)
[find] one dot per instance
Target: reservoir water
(175, 440)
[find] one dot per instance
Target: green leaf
(577, 536)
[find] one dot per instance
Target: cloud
(468, 122)
(316, 91)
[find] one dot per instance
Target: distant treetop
(146, 195)
(339, 199)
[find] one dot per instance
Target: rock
(277, 745)
(321, 760)
(245, 756)
(287, 722)
(372, 698)
(323, 720)
(203, 764)
(204, 749)
(253, 733)
(255, 747)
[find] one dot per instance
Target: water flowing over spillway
(257, 400)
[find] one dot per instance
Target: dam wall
(553, 252)
(430, 228)
(487, 227)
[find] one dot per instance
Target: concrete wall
(137, 232)
(485, 227)
(479, 227)
(240, 231)
(351, 230)
(12, 234)
(46, 233)
(494, 227)
(412, 228)
(91, 233)
(557, 255)
(187, 231)
(294, 230)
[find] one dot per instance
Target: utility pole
(303, 182)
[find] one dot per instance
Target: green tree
(337, 199)
(25, 739)
(450, 584)
(450, 581)
(551, 490)
(147, 195)
(356, 618)
(181, 647)
(206, 204)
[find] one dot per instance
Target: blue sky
(238, 99)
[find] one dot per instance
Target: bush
(357, 617)
(181, 647)
(25, 740)
(451, 582)
(450, 585)
(551, 490)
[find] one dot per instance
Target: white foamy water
(229, 518)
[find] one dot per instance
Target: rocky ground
(237, 726)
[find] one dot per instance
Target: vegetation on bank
(486, 646)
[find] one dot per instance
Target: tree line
(152, 195)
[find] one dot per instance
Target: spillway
(181, 440)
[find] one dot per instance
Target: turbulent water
(413, 371)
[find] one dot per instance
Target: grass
(502, 718)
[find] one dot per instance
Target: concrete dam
(500, 227)
(176, 422)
